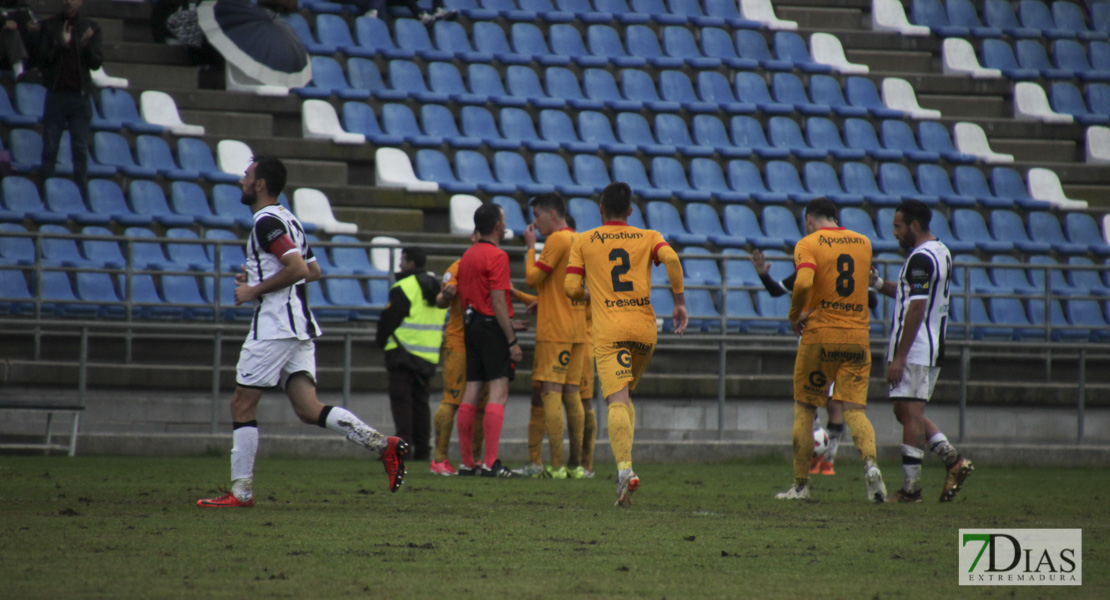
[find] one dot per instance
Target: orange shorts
(819, 365)
(453, 360)
(620, 364)
(558, 362)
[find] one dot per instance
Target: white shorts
(267, 363)
(917, 382)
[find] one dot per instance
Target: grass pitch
(94, 527)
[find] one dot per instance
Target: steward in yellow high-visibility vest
(410, 330)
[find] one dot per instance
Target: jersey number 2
(845, 268)
(618, 284)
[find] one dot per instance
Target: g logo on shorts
(564, 358)
(624, 357)
(818, 379)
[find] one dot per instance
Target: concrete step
(1030, 150)
(865, 39)
(818, 17)
(143, 76)
(147, 54)
(935, 82)
(1098, 196)
(395, 220)
(310, 173)
(364, 195)
(969, 107)
(895, 61)
(230, 124)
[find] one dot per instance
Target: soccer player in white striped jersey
(279, 348)
(917, 348)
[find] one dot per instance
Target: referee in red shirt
(492, 351)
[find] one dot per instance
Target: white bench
(48, 442)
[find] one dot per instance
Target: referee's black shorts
(487, 350)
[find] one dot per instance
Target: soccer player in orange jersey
(560, 333)
(828, 310)
(615, 263)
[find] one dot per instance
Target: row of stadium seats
(603, 45)
(1028, 60)
(604, 11)
(1033, 19)
(114, 110)
(631, 89)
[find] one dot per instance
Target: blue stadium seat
(1082, 229)
(596, 129)
(16, 250)
(639, 85)
(773, 312)
(10, 117)
(729, 11)
(857, 220)
(939, 227)
(523, 83)
(26, 150)
(566, 40)
(194, 155)
(1000, 14)
(605, 42)
(432, 165)
(884, 224)
(1098, 98)
(693, 13)
(822, 133)
(752, 89)
(187, 253)
(779, 221)
(21, 199)
(783, 178)
(600, 85)
(556, 126)
(398, 120)
(563, 83)
(444, 78)
(472, 167)
(1034, 14)
(658, 11)
(184, 290)
(1044, 226)
(477, 122)
(323, 258)
(1070, 55)
(748, 133)
(739, 271)
(412, 35)
(897, 135)
(668, 174)
(790, 46)
(359, 117)
(718, 44)
(998, 54)
(1061, 328)
(821, 180)
(933, 180)
(148, 255)
(1088, 316)
(970, 181)
(931, 14)
(706, 176)
(714, 88)
(675, 86)
(352, 255)
(968, 225)
(451, 37)
(858, 178)
(99, 123)
(363, 74)
(154, 153)
(664, 218)
(861, 92)
(785, 134)
(511, 168)
(860, 135)
(678, 42)
(583, 11)
(440, 123)
(1066, 98)
(147, 198)
(631, 171)
(1010, 314)
(671, 130)
(1008, 183)
(334, 29)
(1007, 225)
(621, 11)
(59, 299)
(786, 88)
(963, 273)
(62, 251)
(226, 299)
(373, 36)
(1099, 54)
(585, 212)
(527, 39)
(896, 180)
(304, 32)
(111, 149)
(633, 128)
(1031, 54)
(99, 288)
(62, 196)
(1100, 17)
(710, 132)
(117, 105)
(1010, 274)
(489, 38)
(509, 10)
(752, 45)
(101, 252)
(934, 137)
(551, 169)
(225, 203)
(825, 90)
(405, 80)
(516, 124)
(744, 177)
(229, 254)
(514, 216)
(703, 218)
(590, 171)
(962, 13)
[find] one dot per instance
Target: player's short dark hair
(616, 199)
(486, 218)
(416, 255)
(916, 210)
(272, 171)
(572, 222)
(550, 201)
(822, 207)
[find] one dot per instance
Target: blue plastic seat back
(637, 85)
(111, 149)
(62, 196)
(668, 173)
(551, 168)
(405, 76)
(784, 133)
(444, 77)
(858, 178)
(231, 253)
(585, 212)
(783, 177)
(1007, 225)
(600, 85)
(195, 155)
(631, 171)
(790, 47)
(359, 117)
(998, 54)
(21, 195)
(411, 34)
(154, 152)
(747, 132)
(752, 44)
(1000, 13)
(823, 133)
(664, 218)
(59, 250)
(929, 13)
(563, 83)
(118, 105)
(451, 37)
(677, 87)
(713, 87)
(526, 38)
(353, 257)
(703, 218)
(1070, 55)
(590, 170)
(432, 165)
(438, 121)
(679, 42)
(523, 82)
(363, 74)
(706, 174)
(933, 180)
(1031, 54)
(603, 40)
(718, 43)
(471, 166)
(556, 126)
(490, 37)
(516, 124)
(750, 87)
(820, 178)
(779, 222)
(1045, 226)
(1008, 275)
(896, 180)
(710, 131)
(398, 119)
(478, 122)
(633, 128)
(857, 220)
(514, 215)
(962, 13)
(1082, 229)
(671, 129)
(1008, 183)
(824, 89)
(30, 99)
(744, 177)
(596, 128)
(144, 254)
(934, 137)
(566, 41)
(226, 203)
(641, 41)
(186, 253)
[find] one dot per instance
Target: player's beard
(246, 200)
(908, 241)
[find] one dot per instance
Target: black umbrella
(257, 41)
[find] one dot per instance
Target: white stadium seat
(1098, 144)
(393, 169)
(462, 213)
(102, 79)
(898, 94)
(159, 108)
(386, 257)
(312, 206)
(890, 15)
(971, 139)
(762, 11)
(1045, 185)
(233, 156)
(826, 49)
(319, 121)
(1031, 104)
(958, 57)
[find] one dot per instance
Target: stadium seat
(1034, 14)
(730, 12)
(551, 169)
(1044, 185)
(1065, 98)
(1045, 273)
(678, 42)
(147, 300)
(489, 38)
(195, 155)
(744, 177)
(62, 251)
(514, 216)
(147, 198)
(462, 207)
(352, 255)
(117, 105)
(605, 42)
(1070, 55)
(752, 45)
(971, 139)
(439, 122)
(710, 132)
(857, 220)
(16, 249)
(958, 58)
(633, 128)
(58, 298)
(562, 82)
(703, 218)
(1031, 104)
(639, 85)
(790, 47)
(472, 167)
(664, 218)
(931, 14)
(826, 49)
(970, 181)
(26, 151)
(857, 178)
(897, 135)
(1010, 314)
(102, 252)
(186, 253)
(412, 35)
(112, 150)
(100, 289)
(406, 80)
(1000, 14)
(523, 83)
(517, 125)
(780, 222)
(675, 86)
(1008, 225)
(319, 121)
(860, 135)
(152, 152)
(1009, 274)
(896, 180)
(585, 212)
(940, 228)
(692, 11)
(10, 117)
(566, 41)
(432, 165)
(226, 250)
(861, 92)
(762, 12)
(61, 196)
(527, 39)
(1044, 226)
(642, 41)
(21, 200)
(1008, 183)
(1081, 228)
(747, 132)
(773, 312)
(556, 126)
(393, 169)
(999, 55)
(312, 206)
(1087, 315)
(786, 88)
(752, 89)
(451, 37)
(718, 44)
(398, 120)
(445, 80)
(783, 178)
(363, 74)
(600, 85)
(590, 171)
(373, 36)
(583, 10)
(825, 90)
(933, 180)
(821, 180)
(706, 176)
(966, 270)
(225, 203)
(934, 137)
(822, 133)
(631, 171)
(968, 225)
(898, 94)
(668, 174)
(962, 13)
(1031, 54)
(477, 122)
(785, 134)
(510, 167)
(714, 88)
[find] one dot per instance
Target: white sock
(243, 451)
(911, 467)
(940, 445)
(836, 432)
(341, 420)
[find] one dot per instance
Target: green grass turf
(128, 528)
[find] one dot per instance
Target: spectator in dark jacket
(69, 49)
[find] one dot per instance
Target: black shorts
(487, 350)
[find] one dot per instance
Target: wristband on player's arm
(879, 283)
(514, 342)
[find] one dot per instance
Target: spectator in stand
(379, 7)
(18, 31)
